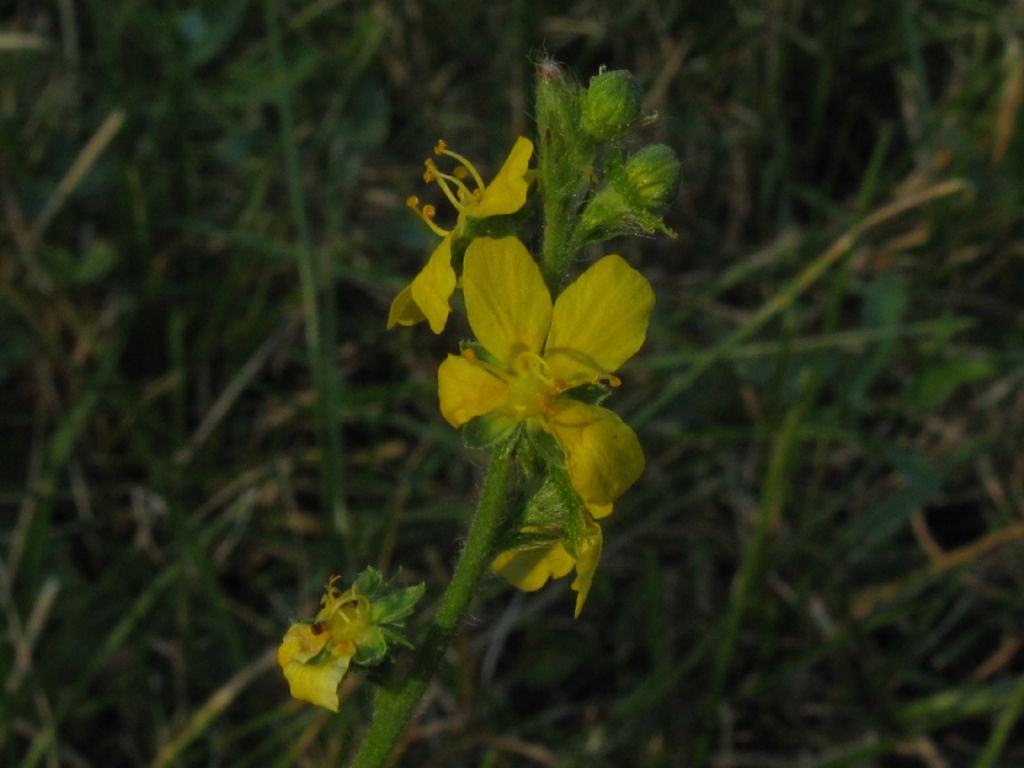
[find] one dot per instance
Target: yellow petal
(507, 192)
(316, 683)
(599, 321)
(530, 569)
(586, 565)
(508, 305)
(404, 310)
(467, 390)
(299, 644)
(434, 285)
(602, 455)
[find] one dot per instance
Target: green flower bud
(607, 213)
(633, 197)
(611, 106)
(651, 177)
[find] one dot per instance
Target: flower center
(530, 386)
(452, 185)
(345, 614)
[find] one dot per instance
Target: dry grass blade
(204, 716)
(88, 156)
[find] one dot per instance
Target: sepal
(487, 431)
(540, 449)
(557, 534)
(592, 394)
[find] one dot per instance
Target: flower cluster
(545, 356)
(538, 369)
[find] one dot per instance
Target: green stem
(318, 307)
(393, 706)
(554, 250)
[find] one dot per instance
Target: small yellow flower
(427, 296)
(315, 656)
(541, 352)
(530, 568)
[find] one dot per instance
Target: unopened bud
(652, 176)
(611, 105)
(633, 197)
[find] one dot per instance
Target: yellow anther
(412, 201)
(460, 172)
(428, 176)
(429, 211)
(440, 147)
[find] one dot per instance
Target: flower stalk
(393, 705)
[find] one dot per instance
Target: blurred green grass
(821, 566)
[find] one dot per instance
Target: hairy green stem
(394, 705)
(555, 253)
(318, 307)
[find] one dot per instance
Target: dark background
(822, 563)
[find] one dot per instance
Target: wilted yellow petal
(404, 310)
(602, 455)
(467, 390)
(507, 192)
(586, 564)
(599, 321)
(508, 305)
(530, 569)
(316, 683)
(434, 285)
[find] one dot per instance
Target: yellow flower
(315, 656)
(541, 352)
(427, 296)
(530, 568)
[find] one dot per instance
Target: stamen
(427, 214)
(443, 180)
(442, 149)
